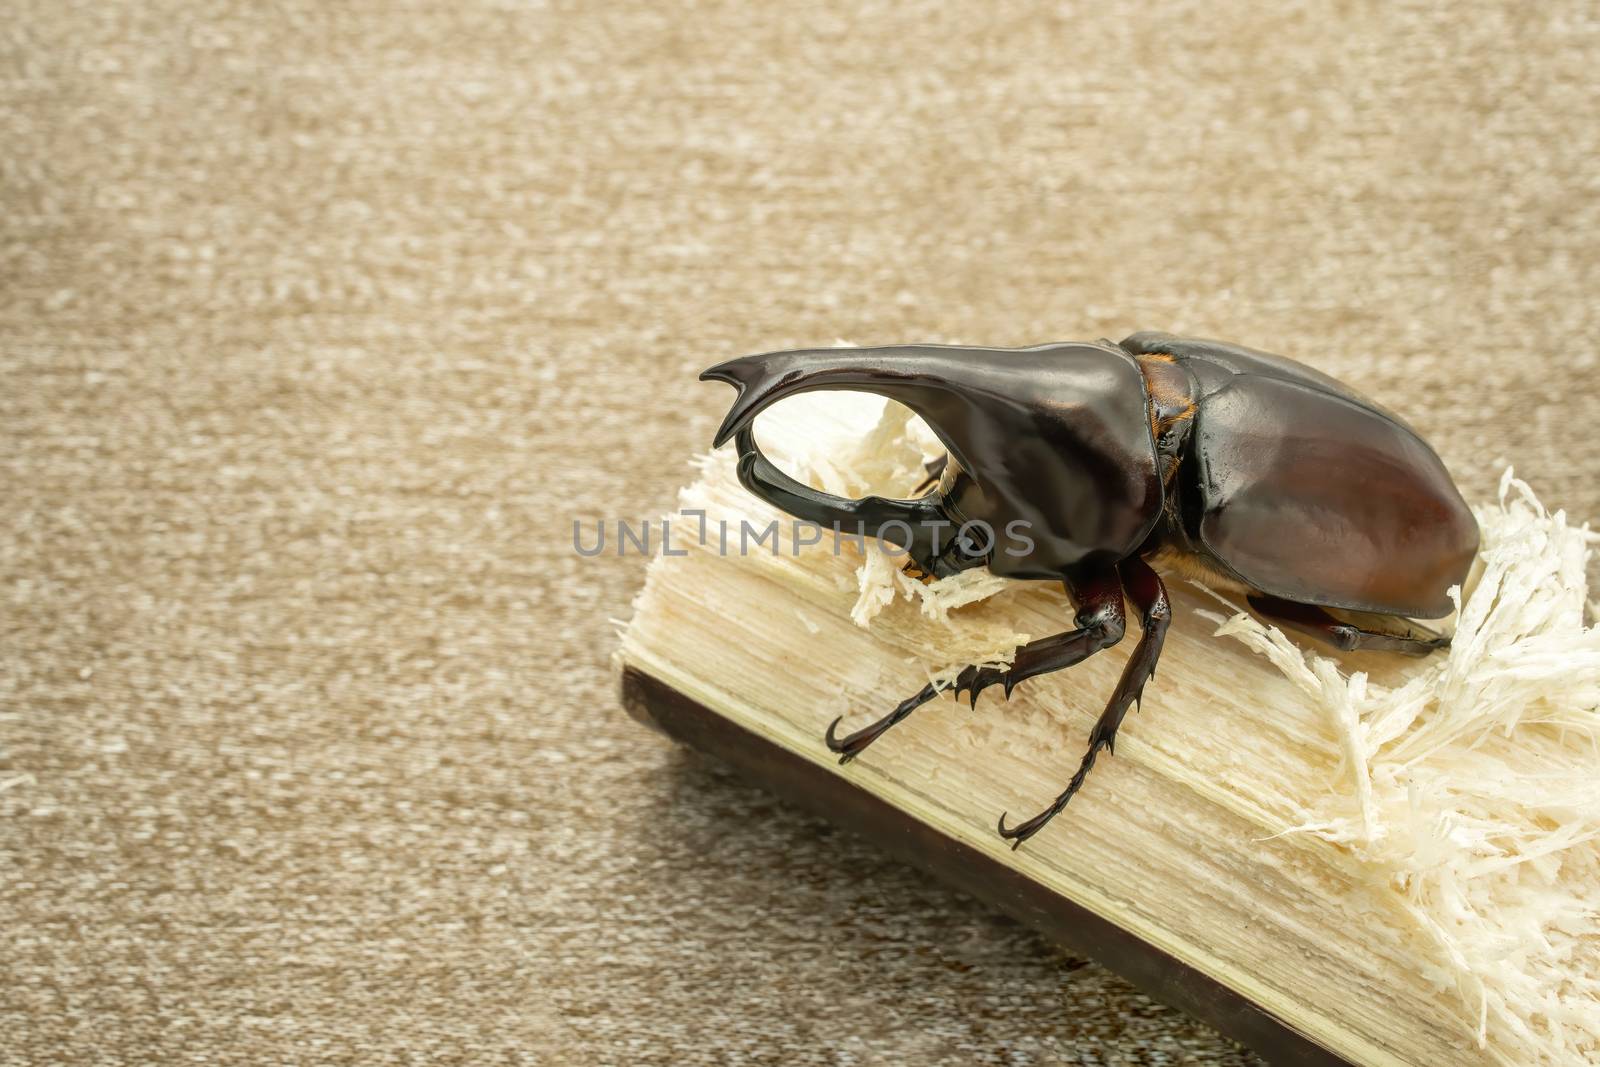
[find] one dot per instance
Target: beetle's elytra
(1211, 459)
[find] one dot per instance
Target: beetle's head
(954, 543)
(954, 550)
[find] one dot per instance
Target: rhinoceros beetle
(1243, 469)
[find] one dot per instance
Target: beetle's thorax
(1173, 397)
(1060, 449)
(1172, 401)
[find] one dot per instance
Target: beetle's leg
(1310, 619)
(1100, 625)
(1144, 588)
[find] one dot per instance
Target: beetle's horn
(935, 381)
(920, 376)
(907, 523)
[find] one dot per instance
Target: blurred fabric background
(321, 323)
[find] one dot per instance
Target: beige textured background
(320, 323)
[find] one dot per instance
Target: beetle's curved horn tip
(719, 373)
(730, 372)
(729, 427)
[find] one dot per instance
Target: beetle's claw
(1024, 830)
(831, 740)
(848, 748)
(1100, 738)
(852, 745)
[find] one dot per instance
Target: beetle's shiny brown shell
(1306, 490)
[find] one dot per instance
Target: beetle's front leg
(1100, 625)
(1149, 595)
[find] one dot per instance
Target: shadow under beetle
(1241, 468)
